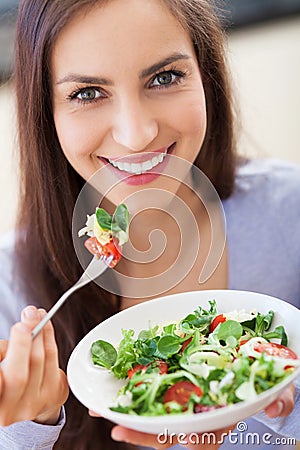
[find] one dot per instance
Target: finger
(283, 405)
(121, 434)
(94, 414)
(52, 373)
(31, 317)
(3, 349)
(50, 346)
(15, 367)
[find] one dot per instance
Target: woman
(103, 82)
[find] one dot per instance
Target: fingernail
(276, 409)
(30, 312)
(280, 407)
(42, 312)
(116, 435)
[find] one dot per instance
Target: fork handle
(56, 307)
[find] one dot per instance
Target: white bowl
(96, 388)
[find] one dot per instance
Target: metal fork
(95, 268)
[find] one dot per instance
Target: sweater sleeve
(30, 435)
(25, 435)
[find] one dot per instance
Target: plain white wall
(265, 62)
(8, 155)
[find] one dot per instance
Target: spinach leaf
(103, 218)
(228, 329)
(119, 222)
(168, 345)
(121, 217)
(103, 354)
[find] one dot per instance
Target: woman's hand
(32, 387)
(283, 405)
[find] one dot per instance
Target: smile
(138, 168)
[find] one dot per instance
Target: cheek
(76, 138)
(190, 119)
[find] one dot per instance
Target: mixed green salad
(203, 362)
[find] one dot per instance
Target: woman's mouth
(138, 169)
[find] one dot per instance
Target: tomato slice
(92, 245)
(162, 366)
(273, 349)
(181, 392)
(215, 322)
(111, 248)
(137, 368)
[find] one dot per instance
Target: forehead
(119, 29)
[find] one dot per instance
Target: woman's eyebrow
(164, 62)
(84, 79)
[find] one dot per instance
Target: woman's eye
(86, 95)
(166, 78)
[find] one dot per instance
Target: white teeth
(138, 168)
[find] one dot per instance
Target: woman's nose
(134, 126)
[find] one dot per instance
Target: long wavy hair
(46, 259)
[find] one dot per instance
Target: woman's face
(127, 90)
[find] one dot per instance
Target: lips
(139, 164)
(138, 169)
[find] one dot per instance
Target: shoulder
(263, 222)
(267, 184)
(265, 175)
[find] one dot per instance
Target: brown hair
(49, 185)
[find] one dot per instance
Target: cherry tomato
(92, 245)
(162, 366)
(215, 322)
(111, 248)
(273, 349)
(181, 392)
(137, 368)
